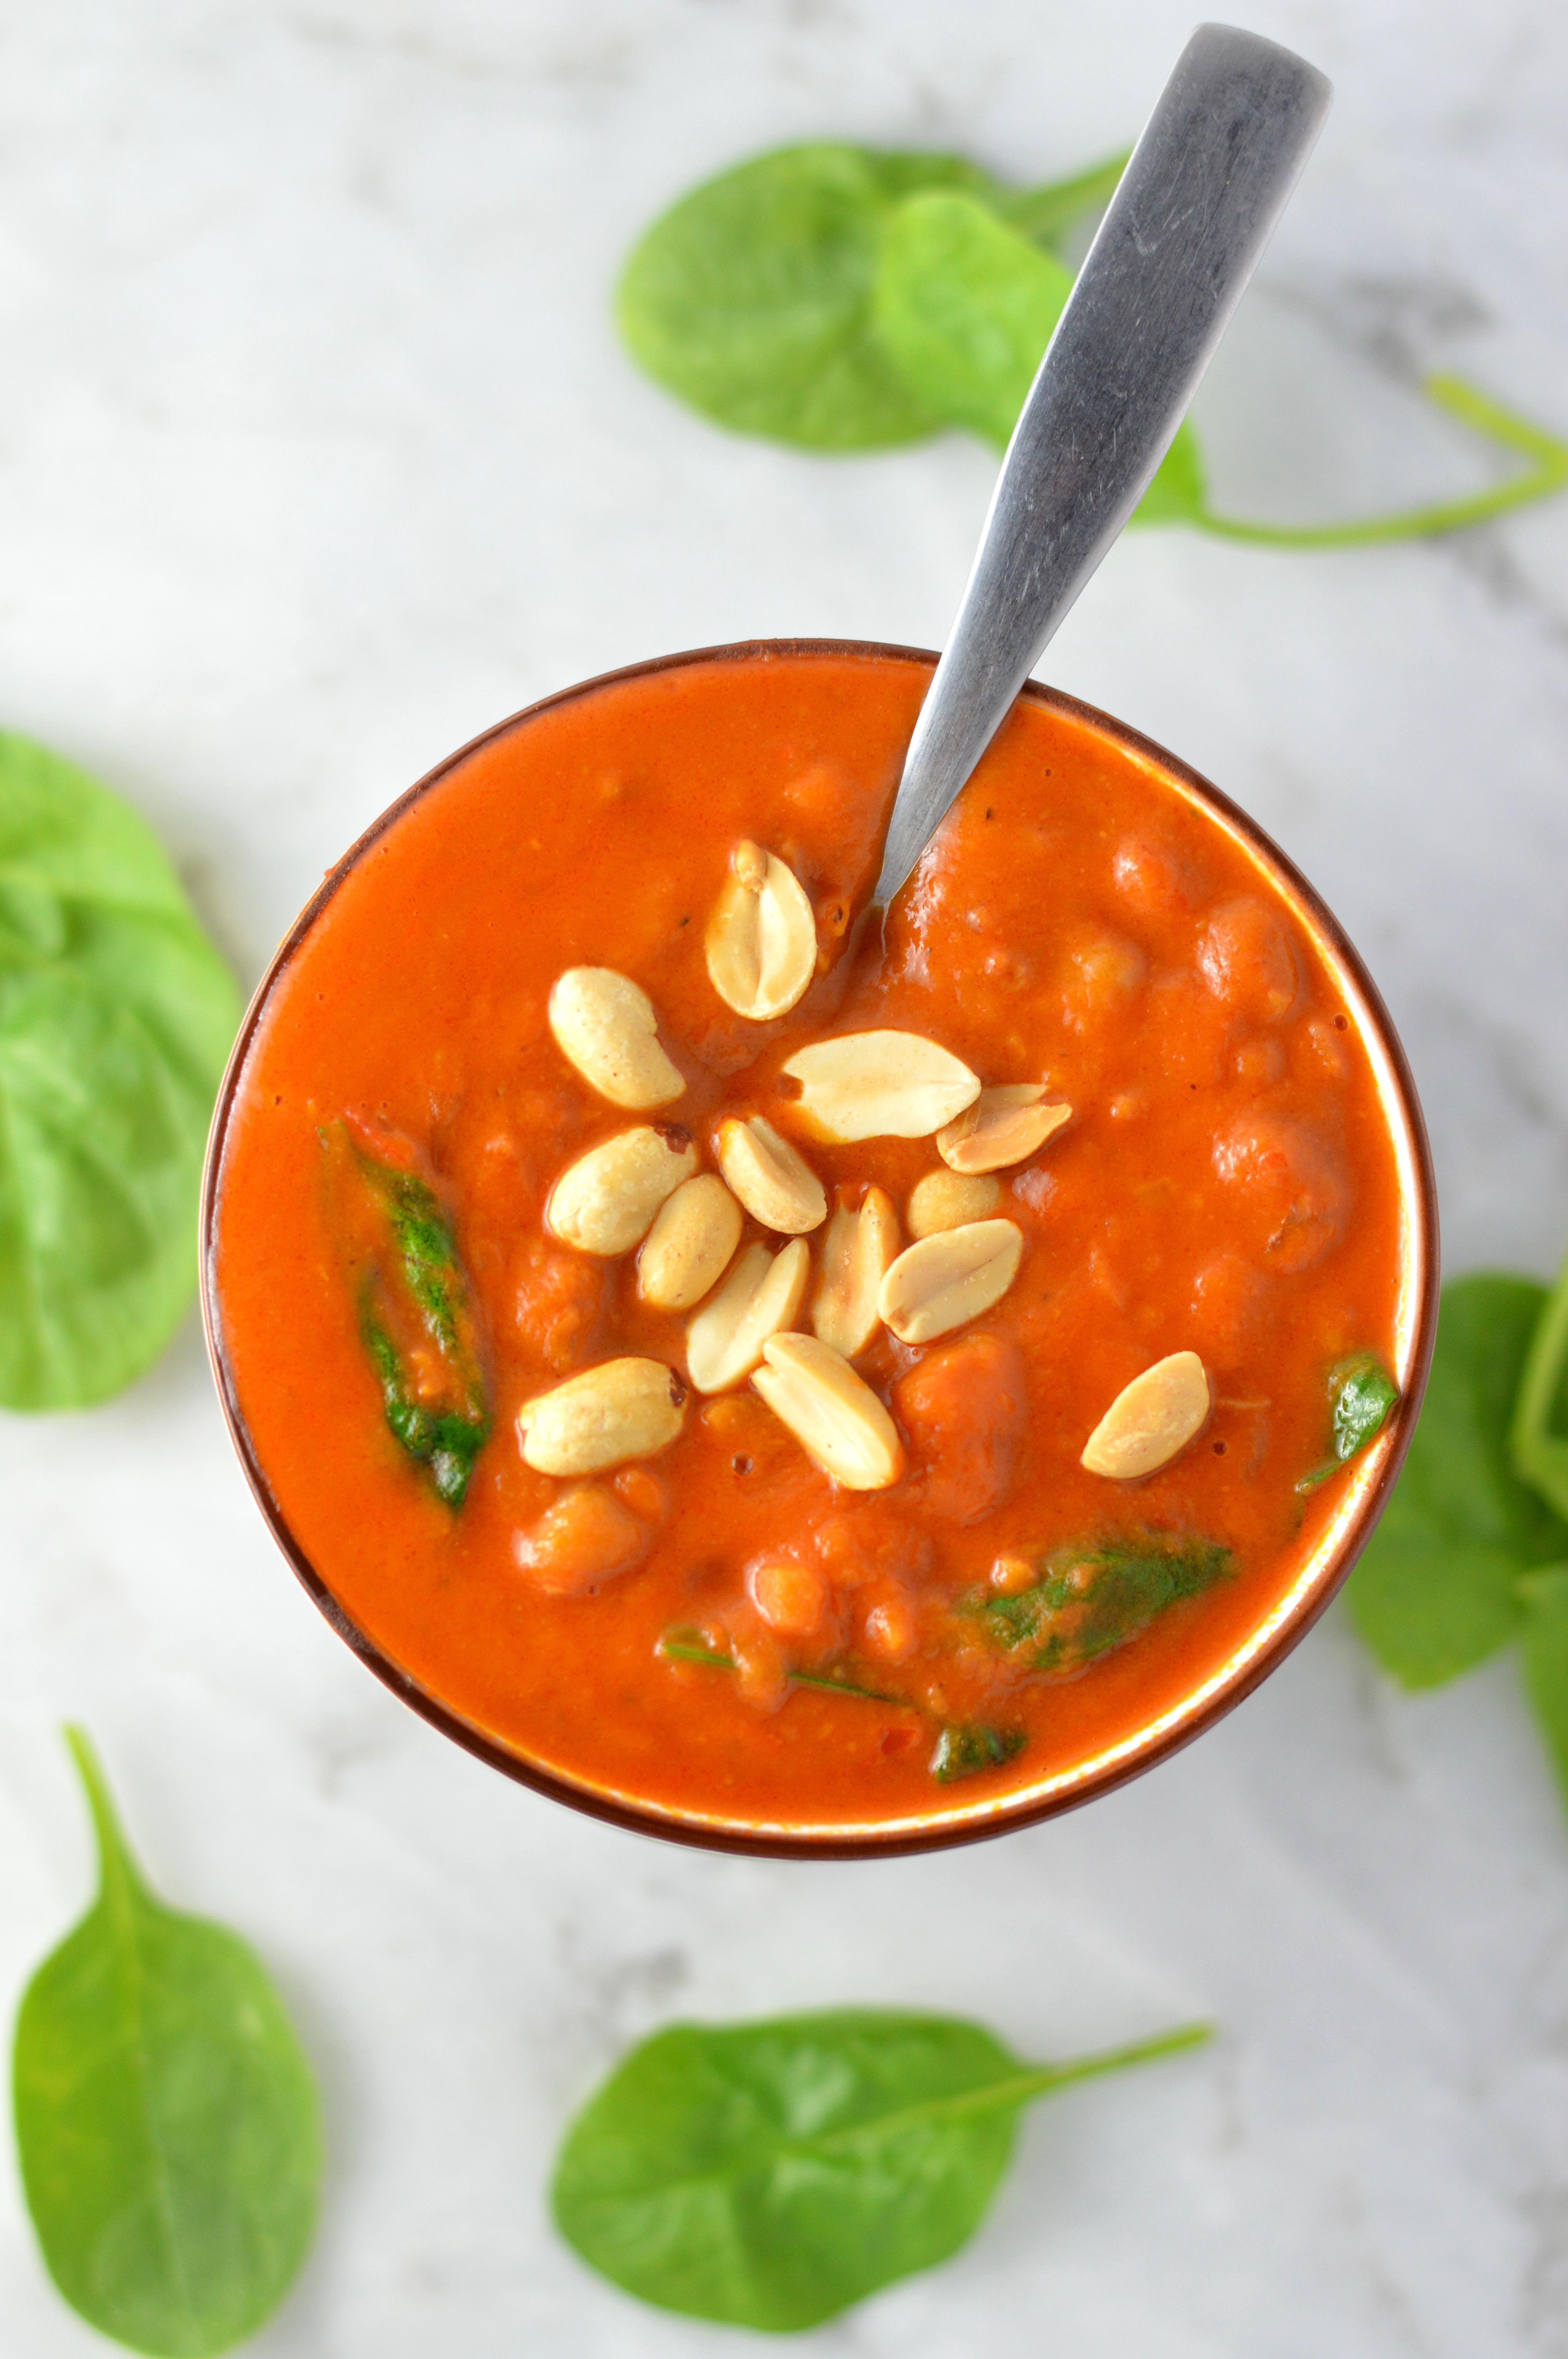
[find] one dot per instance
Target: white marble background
(317, 455)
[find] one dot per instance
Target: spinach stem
(681, 1650)
(1021, 2088)
(846, 1687)
(116, 1865)
(1547, 473)
(1136, 2051)
(1044, 213)
(1540, 1454)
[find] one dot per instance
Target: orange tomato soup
(1227, 1185)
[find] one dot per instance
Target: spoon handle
(1195, 209)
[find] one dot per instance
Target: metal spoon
(1194, 211)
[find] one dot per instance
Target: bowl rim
(1002, 1816)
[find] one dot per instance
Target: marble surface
(317, 455)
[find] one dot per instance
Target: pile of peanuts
(640, 1190)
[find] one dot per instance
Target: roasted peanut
(605, 1201)
(762, 938)
(761, 1294)
(857, 1252)
(879, 1085)
(688, 1249)
(936, 1285)
(777, 1185)
(622, 1410)
(946, 1200)
(1151, 1420)
(606, 1027)
(832, 1413)
(1004, 1125)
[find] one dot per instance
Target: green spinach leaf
(770, 2174)
(1090, 1599)
(853, 299)
(963, 1750)
(1361, 1394)
(751, 298)
(1539, 1439)
(965, 305)
(1437, 1588)
(165, 2116)
(1048, 213)
(417, 1323)
(116, 1016)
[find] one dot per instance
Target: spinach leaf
(1088, 1599)
(1436, 1590)
(116, 1016)
(1361, 1394)
(853, 299)
(770, 2174)
(417, 1318)
(1047, 215)
(1539, 1439)
(962, 1750)
(167, 2119)
(965, 305)
(751, 297)
(445, 1439)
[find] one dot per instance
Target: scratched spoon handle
(1194, 211)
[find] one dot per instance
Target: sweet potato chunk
(559, 1299)
(963, 1411)
(1230, 1301)
(790, 1595)
(1156, 878)
(1249, 961)
(1291, 1188)
(585, 1536)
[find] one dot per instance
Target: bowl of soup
(791, 1378)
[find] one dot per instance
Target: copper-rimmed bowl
(1277, 1629)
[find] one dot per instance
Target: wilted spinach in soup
(774, 1367)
